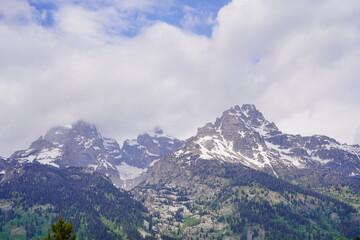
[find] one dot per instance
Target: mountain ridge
(243, 135)
(81, 145)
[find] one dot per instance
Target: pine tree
(61, 231)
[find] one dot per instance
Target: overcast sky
(127, 66)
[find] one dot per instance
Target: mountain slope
(33, 195)
(211, 199)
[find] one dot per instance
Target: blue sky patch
(44, 12)
(195, 16)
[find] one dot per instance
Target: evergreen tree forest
(35, 196)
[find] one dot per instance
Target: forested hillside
(34, 195)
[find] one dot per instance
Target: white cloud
(296, 61)
(307, 56)
(15, 11)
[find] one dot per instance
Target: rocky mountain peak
(236, 137)
(148, 147)
(246, 118)
(242, 127)
(59, 134)
(84, 128)
(79, 144)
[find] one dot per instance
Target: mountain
(231, 181)
(82, 145)
(76, 145)
(242, 135)
(34, 195)
(148, 147)
(138, 155)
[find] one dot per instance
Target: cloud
(357, 136)
(296, 61)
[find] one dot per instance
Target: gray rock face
(4, 163)
(148, 147)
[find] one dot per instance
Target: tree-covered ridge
(35, 195)
(283, 210)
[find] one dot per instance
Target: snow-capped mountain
(81, 145)
(148, 147)
(243, 135)
(137, 155)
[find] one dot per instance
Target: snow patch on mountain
(217, 147)
(132, 142)
(49, 154)
(285, 154)
(128, 172)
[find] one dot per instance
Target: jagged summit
(148, 147)
(248, 116)
(59, 134)
(242, 118)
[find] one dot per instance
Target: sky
(127, 66)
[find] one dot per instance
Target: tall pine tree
(61, 231)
